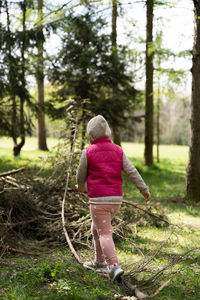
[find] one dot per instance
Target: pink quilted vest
(105, 161)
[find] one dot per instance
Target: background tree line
(92, 68)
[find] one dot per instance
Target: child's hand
(147, 196)
(82, 189)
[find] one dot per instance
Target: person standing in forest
(100, 175)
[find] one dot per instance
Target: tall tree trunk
(116, 135)
(11, 79)
(148, 153)
(193, 169)
(114, 25)
(42, 145)
(158, 117)
(115, 127)
(158, 127)
(0, 26)
(18, 147)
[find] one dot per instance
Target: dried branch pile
(30, 209)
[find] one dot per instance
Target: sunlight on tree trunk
(193, 169)
(158, 117)
(40, 82)
(158, 128)
(148, 153)
(115, 127)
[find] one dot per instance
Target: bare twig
(145, 263)
(173, 263)
(18, 223)
(129, 240)
(64, 198)
(149, 213)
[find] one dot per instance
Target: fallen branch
(140, 295)
(12, 189)
(11, 249)
(14, 171)
(9, 223)
(160, 288)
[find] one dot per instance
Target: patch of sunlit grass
(29, 154)
(170, 152)
(30, 143)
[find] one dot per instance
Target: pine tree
(14, 91)
(86, 69)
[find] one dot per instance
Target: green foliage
(86, 68)
(29, 155)
(14, 91)
(163, 2)
(163, 54)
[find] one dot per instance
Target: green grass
(166, 179)
(29, 154)
(30, 143)
(56, 275)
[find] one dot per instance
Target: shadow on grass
(182, 206)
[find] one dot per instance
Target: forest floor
(54, 274)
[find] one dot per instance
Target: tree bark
(42, 145)
(148, 153)
(15, 132)
(11, 80)
(193, 169)
(158, 118)
(158, 128)
(115, 127)
(18, 147)
(116, 135)
(114, 25)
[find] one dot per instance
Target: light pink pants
(101, 227)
